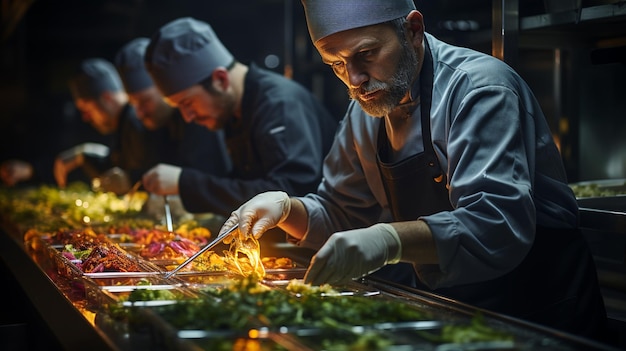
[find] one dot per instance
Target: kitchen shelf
(609, 12)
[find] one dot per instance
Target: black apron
(556, 284)
(414, 186)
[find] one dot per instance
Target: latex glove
(162, 179)
(114, 180)
(353, 254)
(259, 214)
(15, 171)
(74, 157)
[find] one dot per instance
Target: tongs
(131, 193)
(168, 215)
(209, 246)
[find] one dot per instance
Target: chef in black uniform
(99, 95)
(178, 143)
(277, 132)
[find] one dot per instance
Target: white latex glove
(162, 179)
(259, 214)
(15, 171)
(353, 254)
(114, 180)
(74, 157)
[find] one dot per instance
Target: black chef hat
(183, 53)
(129, 63)
(326, 17)
(93, 77)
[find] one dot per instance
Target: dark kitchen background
(570, 51)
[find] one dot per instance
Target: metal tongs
(211, 245)
(168, 215)
(131, 193)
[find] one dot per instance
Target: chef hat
(129, 63)
(183, 53)
(326, 17)
(93, 77)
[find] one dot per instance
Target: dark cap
(183, 53)
(326, 17)
(93, 77)
(129, 63)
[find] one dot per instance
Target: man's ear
(415, 23)
(220, 78)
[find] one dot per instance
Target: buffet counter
(206, 310)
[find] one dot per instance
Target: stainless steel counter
(76, 325)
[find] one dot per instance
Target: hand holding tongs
(212, 244)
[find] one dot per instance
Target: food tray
(145, 267)
(409, 335)
(599, 188)
(200, 280)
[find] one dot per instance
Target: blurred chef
(444, 176)
(277, 132)
(178, 143)
(99, 95)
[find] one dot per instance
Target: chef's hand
(259, 214)
(74, 157)
(66, 162)
(353, 254)
(15, 171)
(162, 179)
(114, 180)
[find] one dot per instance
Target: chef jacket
(279, 143)
(502, 169)
(191, 145)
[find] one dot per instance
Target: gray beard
(392, 91)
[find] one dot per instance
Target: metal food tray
(145, 267)
(102, 291)
(614, 187)
(604, 214)
(158, 333)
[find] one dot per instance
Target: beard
(392, 91)
(225, 106)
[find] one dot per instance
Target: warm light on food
(244, 255)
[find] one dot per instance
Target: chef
(443, 176)
(277, 132)
(178, 143)
(99, 95)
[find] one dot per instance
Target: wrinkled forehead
(348, 41)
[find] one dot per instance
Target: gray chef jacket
(503, 171)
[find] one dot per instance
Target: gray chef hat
(326, 17)
(93, 77)
(183, 53)
(129, 63)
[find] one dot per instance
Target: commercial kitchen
(571, 53)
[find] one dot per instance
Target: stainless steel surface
(583, 14)
(209, 246)
(168, 215)
(161, 333)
